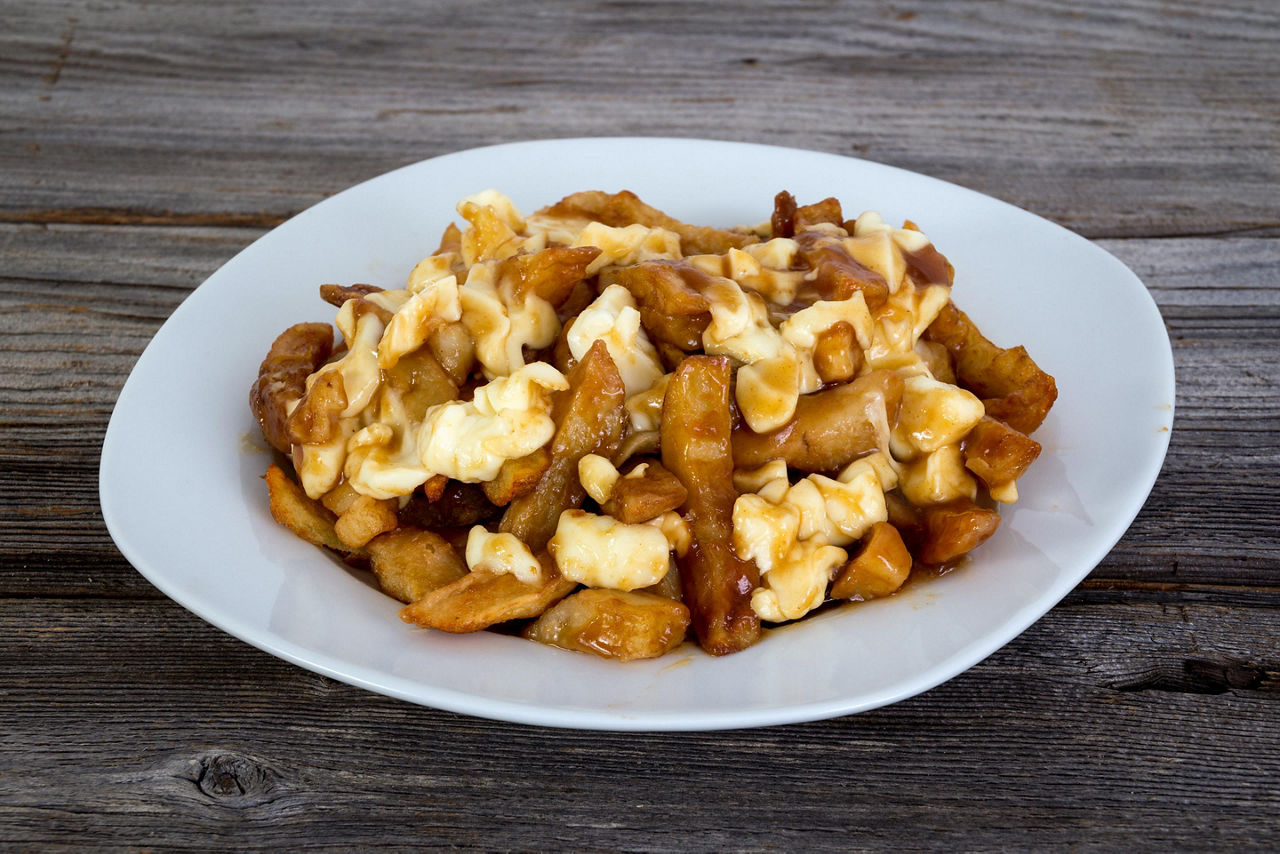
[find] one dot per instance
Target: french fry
(613, 624)
(590, 419)
(453, 348)
(1012, 386)
(291, 507)
(880, 567)
(696, 427)
(836, 356)
(434, 487)
(783, 221)
(481, 599)
(830, 429)
(459, 505)
(997, 453)
(551, 274)
(282, 377)
(363, 519)
(639, 499)
(837, 275)
(625, 208)
(315, 418)
(421, 382)
(672, 308)
(409, 563)
(517, 477)
(825, 211)
(450, 240)
(954, 529)
(336, 295)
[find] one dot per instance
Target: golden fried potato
(937, 359)
(696, 426)
(613, 624)
(551, 274)
(880, 567)
(459, 505)
(625, 208)
(291, 507)
(453, 348)
(997, 453)
(409, 563)
(420, 381)
(825, 211)
(363, 519)
(1012, 386)
(282, 377)
(954, 529)
(669, 295)
(837, 275)
(830, 429)
(639, 499)
(836, 355)
(782, 223)
(315, 418)
(450, 240)
(481, 599)
(517, 477)
(434, 487)
(590, 418)
(336, 295)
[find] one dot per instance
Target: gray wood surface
(143, 144)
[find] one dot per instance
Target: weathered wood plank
(1119, 118)
(1092, 729)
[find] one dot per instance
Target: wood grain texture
(143, 144)
(1106, 117)
(188, 732)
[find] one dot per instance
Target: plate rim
(460, 701)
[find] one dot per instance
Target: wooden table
(143, 144)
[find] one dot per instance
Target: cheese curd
(510, 417)
(627, 245)
(600, 551)
(933, 414)
(597, 476)
(937, 478)
(614, 319)
(425, 311)
(795, 532)
(799, 584)
(501, 326)
(502, 553)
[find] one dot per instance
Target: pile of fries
(603, 428)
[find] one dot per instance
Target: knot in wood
(226, 775)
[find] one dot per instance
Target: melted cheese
(628, 245)
(795, 533)
(933, 414)
(600, 551)
(502, 553)
(614, 319)
(597, 476)
(502, 327)
(509, 418)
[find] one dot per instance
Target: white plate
(181, 473)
